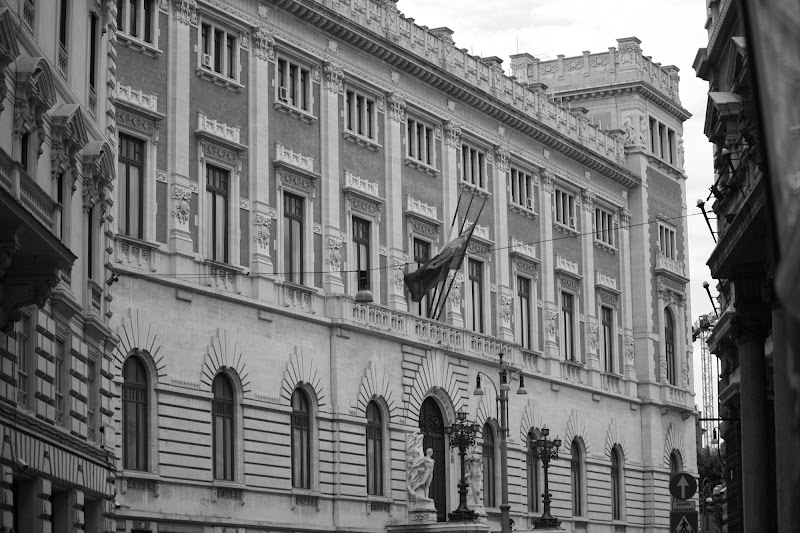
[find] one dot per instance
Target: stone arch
(529, 420)
(375, 385)
(302, 371)
(224, 355)
(615, 437)
(673, 442)
(436, 373)
(576, 428)
(487, 405)
(137, 336)
(35, 94)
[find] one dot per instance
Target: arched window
(488, 466)
(374, 450)
(675, 467)
(616, 485)
(533, 474)
(134, 415)
(222, 415)
(577, 478)
(301, 440)
(669, 343)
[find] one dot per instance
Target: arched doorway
(431, 424)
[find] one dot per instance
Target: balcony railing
(670, 265)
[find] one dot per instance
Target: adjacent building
(57, 172)
(751, 119)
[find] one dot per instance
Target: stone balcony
(672, 267)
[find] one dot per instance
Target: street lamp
(462, 436)
(505, 526)
(545, 449)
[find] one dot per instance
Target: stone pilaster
(550, 309)
(7, 502)
(394, 123)
(626, 305)
(330, 191)
(505, 295)
(593, 363)
(43, 508)
(450, 181)
(77, 521)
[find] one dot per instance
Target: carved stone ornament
(262, 237)
(505, 308)
(452, 134)
(569, 283)
(397, 107)
(335, 253)
(588, 200)
(455, 292)
(263, 44)
(685, 375)
(552, 324)
(548, 180)
(502, 153)
(527, 268)
(629, 351)
(419, 469)
(148, 127)
(220, 153)
(186, 11)
(334, 76)
(591, 329)
(182, 196)
(424, 229)
(625, 218)
(398, 271)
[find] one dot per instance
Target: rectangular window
(63, 23)
(91, 388)
(419, 141)
(60, 198)
(475, 312)
(522, 189)
(362, 249)
(653, 136)
(293, 238)
(360, 114)
(293, 85)
(24, 154)
(23, 329)
(524, 304)
(217, 188)
(130, 174)
(473, 166)
(567, 326)
(671, 147)
(220, 51)
(565, 209)
(93, 51)
(604, 227)
(422, 252)
(666, 241)
(136, 18)
(90, 243)
(58, 382)
(533, 480)
(607, 330)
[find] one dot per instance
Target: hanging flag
(435, 270)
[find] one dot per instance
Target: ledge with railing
(672, 266)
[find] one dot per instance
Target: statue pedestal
(422, 512)
(480, 510)
(440, 527)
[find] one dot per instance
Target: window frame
(421, 307)
(136, 42)
(489, 445)
(570, 357)
(123, 159)
(285, 104)
(578, 478)
(372, 124)
(306, 432)
(359, 242)
(25, 327)
(206, 159)
(287, 269)
(617, 484)
(606, 238)
(607, 340)
(212, 192)
(572, 222)
(142, 441)
(471, 316)
(531, 309)
(227, 441)
(482, 166)
(667, 241)
(524, 204)
(149, 180)
(533, 466)
(227, 29)
(670, 344)
(61, 385)
(427, 162)
(374, 433)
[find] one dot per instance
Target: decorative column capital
(263, 45)
(501, 157)
(334, 76)
(548, 180)
(397, 107)
(588, 200)
(186, 11)
(452, 131)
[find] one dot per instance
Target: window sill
(479, 191)
(419, 165)
(380, 504)
(219, 79)
(558, 226)
(361, 140)
(137, 44)
(140, 480)
(227, 490)
(605, 246)
(296, 112)
(524, 211)
(305, 498)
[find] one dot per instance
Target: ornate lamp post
(462, 436)
(505, 506)
(544, 450)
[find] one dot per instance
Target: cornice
(362, 38)
(723, 24)
(633, 87)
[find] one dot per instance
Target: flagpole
(461, 260)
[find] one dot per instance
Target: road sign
(681, 522)
(684, 506)
(683, 486)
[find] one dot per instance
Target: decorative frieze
(217, 128)
(629, 350)
(424, 229)
(506, 301)
(126, 93)
(588, 200)
(481, 232)
(209, 149)
(138, 123)
(398, 271)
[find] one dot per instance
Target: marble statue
(419, 469)
(474, 476)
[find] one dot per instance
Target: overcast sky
(670, 32)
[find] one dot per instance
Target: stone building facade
(57, 171)
(270, 150)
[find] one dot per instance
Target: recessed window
(666, 241)
(361, 247)
(360, 114)
(419, 141)
(567, 326)
(374, 450)
(487, 452)
(293, 85)
(60, 378)
(93, 394)
(134, 415)
(604, 231)
(565, 208)
(607, 334)
(576, 468)
(669, 344)
(217, 191)
(422, 253)
(219, 51)
(23, 330)
(222, 420)
(473, 166)
(475, 287)
(137, 19)
(533, 474)
(130, 176)
(524, 305)
(301, 440)
(662, 141)
(293, 238)
(616, 485)
(522, 189)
